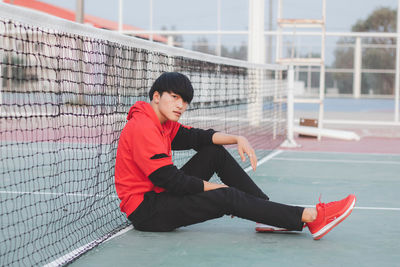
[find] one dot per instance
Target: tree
(382, 19)
(202, 45)
(236, 52)
(177, 38)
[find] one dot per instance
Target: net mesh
(64, 101)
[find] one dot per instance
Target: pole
(278, 49)
(322, 73)
(290, 105)
(1, 84)
(151, 20)
(120, 17)
(79, 14)
(357, 69)
(269, 59)
(218, 48)
(256, 44)
(396, 84)
(290, 142)
(256, 54)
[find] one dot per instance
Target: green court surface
(368, 237)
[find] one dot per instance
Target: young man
(157, 196)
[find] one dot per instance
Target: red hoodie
(144, 146)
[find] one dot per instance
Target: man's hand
(211, 186)
(244, 147)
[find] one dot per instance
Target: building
(88, 19)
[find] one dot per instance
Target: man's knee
(214, 151)
(212, 148)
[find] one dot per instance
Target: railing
(354, 80)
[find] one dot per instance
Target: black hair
(174, 82)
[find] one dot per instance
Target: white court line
(376, 208)
(265, 159)
(277, 152)
(345, 153)
(340, 161)
(65, 258)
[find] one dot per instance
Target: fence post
(80, 13)
(396, 84)
(357, 69)
(1, 82)
(120, 16)
(256, 54)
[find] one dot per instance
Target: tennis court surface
(368, 237)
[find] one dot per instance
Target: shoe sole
(271, 230)
(318, 235)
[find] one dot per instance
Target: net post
(290, 142)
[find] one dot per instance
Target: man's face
(170, 105)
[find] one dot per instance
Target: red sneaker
(330, 215)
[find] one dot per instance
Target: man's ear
(156, 97)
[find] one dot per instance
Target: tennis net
(65, 90)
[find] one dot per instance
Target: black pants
(166, 212)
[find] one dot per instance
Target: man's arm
(244, 146)
(187, 138)
(211, 186)
(176, 181)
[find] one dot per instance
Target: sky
(202, 15)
